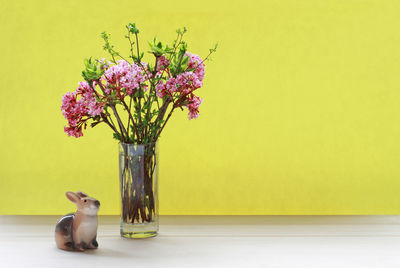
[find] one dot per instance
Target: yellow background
(301, 109)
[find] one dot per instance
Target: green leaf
(93, 70)
(117, 136)
(185, 60)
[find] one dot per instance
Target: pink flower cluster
(162, 63)
(184, 84)
(195, 62)
(193, 106)
(125, 79)
(74, 109)
(124, 76)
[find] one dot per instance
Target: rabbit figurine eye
(85, 200)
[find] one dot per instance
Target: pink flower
(161, 89)
(95, 108)
(193, 106)
(196, 63)
(88, 97)
(187, 82)
(74, 131)
(171, 85)
(162, 63)
(166, 89)
(123, 76)
(75, 110)
(85, 90)
(104, 64)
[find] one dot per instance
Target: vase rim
(138, 144)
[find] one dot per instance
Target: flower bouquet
(136, 99)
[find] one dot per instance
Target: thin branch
(110, 125)
(111, 121)
(166, 120)
(130, 116)
(139, 111)
(121, 125)
(130, 42)
(137, 47)
(130, 103)
(153, 86)
(119, 55)
(105, 118)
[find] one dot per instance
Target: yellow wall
(301, 112)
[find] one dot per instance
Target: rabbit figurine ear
(81, 194)
(73, 197)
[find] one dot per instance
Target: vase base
(138, 235)
(138, 230)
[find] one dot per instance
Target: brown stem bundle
(137, 179)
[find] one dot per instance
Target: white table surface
(213, 241)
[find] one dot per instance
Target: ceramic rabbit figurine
(78, 231)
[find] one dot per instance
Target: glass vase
(138, 177)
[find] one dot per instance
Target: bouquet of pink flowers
(148, 93)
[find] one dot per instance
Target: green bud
(132, 28)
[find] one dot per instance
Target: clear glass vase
(138, 177)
